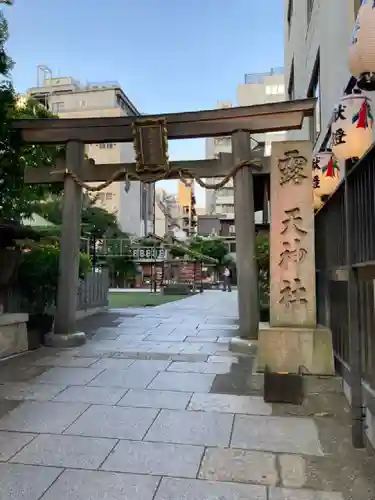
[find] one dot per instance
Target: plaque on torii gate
(238, 123)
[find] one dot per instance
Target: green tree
(16, 198)
(96, 221)
(215, 248)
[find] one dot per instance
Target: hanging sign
(150, 141)
(148, 254)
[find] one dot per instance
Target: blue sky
(168, 55)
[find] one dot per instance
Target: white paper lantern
(326, 173)
(317, 203)
(352, 127)
(362, 46)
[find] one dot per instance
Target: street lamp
(362, 47)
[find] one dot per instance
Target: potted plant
(38, 273)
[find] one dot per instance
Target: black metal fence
(345, 262)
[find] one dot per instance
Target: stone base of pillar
(285, 349)
(69, 340)
(240, 345)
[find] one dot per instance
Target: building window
(227, 209)
(108, 196)
(232, 247)
(291, 87)
(108, 145)
(100, 197)
(314, 91)
(310, 6)
(58, 107)
(232, 229)
(290, 15)
(82, 104)
(275, 89)
(226, 192)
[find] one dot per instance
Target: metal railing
(345, 265)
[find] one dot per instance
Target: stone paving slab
(188, 427)
(165, 338)
(114, 364)
(113, 422)
(150, 364)
(239, 466)
(25, 482)
(148, 398)
(66, 451)
(186, 382)
(29, 391)
(292, 471)
(42, 417)
(185, 489)
(12, 442)
(65, 361)
(211, 368)
(205, 339)
(68, 376)
(100, 485)
(277, 434)
(91, 395)
(225, 403)
(285, 494)
(155, 458)
(127, 379)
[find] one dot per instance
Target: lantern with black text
(326, 174)
(352, 127)
(362, 47)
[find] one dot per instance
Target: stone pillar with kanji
(292, 340)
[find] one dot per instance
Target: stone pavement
(155, 407)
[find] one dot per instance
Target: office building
(317, 34)
(133, 203)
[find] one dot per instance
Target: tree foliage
(96, 221)
(16, 198)
(215, 248)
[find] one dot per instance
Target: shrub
(38, 275)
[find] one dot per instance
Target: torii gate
(150, 134)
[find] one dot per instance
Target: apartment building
(186, 199)
(317, 34)
(133, 203)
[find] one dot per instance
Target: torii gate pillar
(247, 269)
(64, 333)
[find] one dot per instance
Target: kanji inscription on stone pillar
(292, 255)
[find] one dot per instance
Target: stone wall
(13, 334)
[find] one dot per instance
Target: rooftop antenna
(43, 72)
